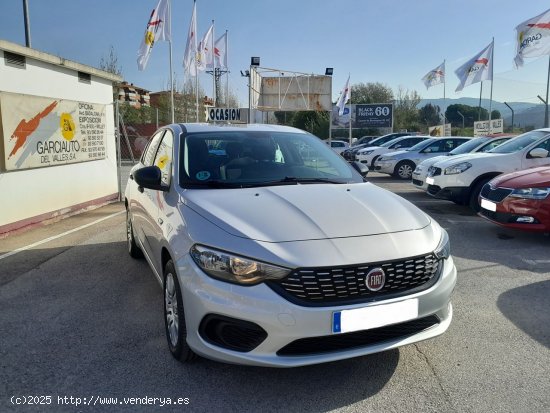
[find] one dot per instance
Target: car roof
(227, 127)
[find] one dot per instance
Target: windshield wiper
(297, 180)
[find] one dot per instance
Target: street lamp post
(462, 120)
(510, 107)
(545, 101)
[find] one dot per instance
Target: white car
(254, 266)
(338, 146)
(460, 180)
(480, 144)
(401, 164)
(370, 154)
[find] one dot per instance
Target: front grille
(327, 286)
(494, 194)
(433, 171)
(348, 341)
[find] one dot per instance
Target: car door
(143, 204)
(163, 200)
(530, 162)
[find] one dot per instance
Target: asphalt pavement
(79, 318)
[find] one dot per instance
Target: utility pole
(545, 110)
(462, 119)
(27, 24)
(510, 107)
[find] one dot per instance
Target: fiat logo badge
(375, 280)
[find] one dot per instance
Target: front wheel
(174, 316)
(133, 249)
(404, 170)
(474, 195)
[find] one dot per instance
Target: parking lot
(80, 318)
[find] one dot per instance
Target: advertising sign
(225, 115)
(378, 115)
(440, 131)
(481, 128)
(40, 132)
(374, 116)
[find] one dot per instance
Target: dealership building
(57, 137)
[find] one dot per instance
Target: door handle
(160, 221)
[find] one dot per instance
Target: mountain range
(525, 114)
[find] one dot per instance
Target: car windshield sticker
(202, 175)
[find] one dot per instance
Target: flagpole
(227, 68)
(214, 96)
(546, 125)
(196, 69)
(444, 98)
(480, 93)
(171, 71)
(492, 81)
(349, 106)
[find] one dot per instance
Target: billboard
(481, 128)
(438, 130)
(377, 115)
(40, 132)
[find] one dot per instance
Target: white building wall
(29, 196)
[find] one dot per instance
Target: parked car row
(505, 180)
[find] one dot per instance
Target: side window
(544, 145)
(492, 144)
(149, 153)
(164, 157)
(434, 147)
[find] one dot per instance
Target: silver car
(401, 164)
(238, 224)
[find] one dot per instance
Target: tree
(495, 114)
(430, 115)
(371, 93)
(405, 112)
(110, 63)
(470, 113)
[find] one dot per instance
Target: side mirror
(361, 168)
(149, 177)
(538, 153)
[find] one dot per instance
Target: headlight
(418, 169)
(366, 152)
(458, 168)
(232, 268)
(443, 250)
(530, 193)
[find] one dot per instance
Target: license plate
(430, 180)
(376, 316)
(491, 206)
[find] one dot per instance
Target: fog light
(525, 220)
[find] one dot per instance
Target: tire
(474, 195)
(404, 170)
(133, 249)
(371, 167)
(174, 316)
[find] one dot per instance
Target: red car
(518, 200)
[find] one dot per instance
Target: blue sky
(389, 41)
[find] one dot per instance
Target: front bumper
(509, 211)
(385, 167)
(285, 322)
(458, 194)
(419, 179)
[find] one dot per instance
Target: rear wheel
(371, 167)
(174, 316)
(404, 170)
(474, 195)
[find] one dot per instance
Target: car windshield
(388, 143)
(421, 145)
(519, 142)
(256, 158)
(468, 146)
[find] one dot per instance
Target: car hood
(399, 154)
(469, 157)
(442, 158)
(527, 178)
(306, 212)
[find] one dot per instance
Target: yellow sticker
(67, 126)
(163, 160)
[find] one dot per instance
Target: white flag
(435, 77)
(220, 53)
(190, 56)
(533, 38)
(478, 68)
(343, 99)
(158, 28)
(204, 54)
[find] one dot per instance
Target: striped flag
(435, 77)
(477, 69)
(343, 99)
(190, 56)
